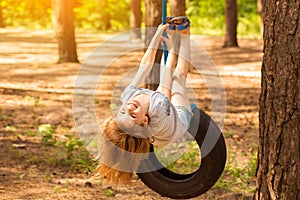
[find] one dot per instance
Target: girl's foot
(171, 24)
(186, 31)
(180, 24)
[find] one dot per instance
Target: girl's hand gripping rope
(148, 59)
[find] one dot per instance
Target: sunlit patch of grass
(48, 175)
(17, 153)
(35, 101)
(10, 128)
(57, 188)
(69, 150)
(183, 158)
(228, 134)
(36, 160)
(239, 178)
(31, 133)
(4, 117)
(109, 193)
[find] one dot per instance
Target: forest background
(39, 146)
(207, 16)
(55, 175)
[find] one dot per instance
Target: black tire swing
(180, 186)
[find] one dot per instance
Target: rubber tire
(182, 186)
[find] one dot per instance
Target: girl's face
(137, 109)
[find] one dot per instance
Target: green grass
(71, 151)
(109, 193)
(239, 178)
(183, 158)
(30, 100)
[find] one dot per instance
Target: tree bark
(2, 25)
(135, 19)
(177, 8)
(278, 171)
(153, 19)
(63, 20)
(231, 24)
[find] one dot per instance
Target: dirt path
(36, 93)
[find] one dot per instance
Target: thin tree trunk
(2, 25)
(135, 19)
(278, 171)
(177, 8)
(63, 18)
(231, 24)
(106, 15)
(153, 20)
(260, 12)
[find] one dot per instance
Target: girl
(149, 117)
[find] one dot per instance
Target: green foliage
(10, 128)
(75, 154)
(89, 14)
(186, 161)
(46, 132)
(109, 193)
(249, 19)
(207, 17)
(29, 13)
(238, 178)
(71, 145)
(33, 100)
(48, 175)
(57, 188)
(103, 15)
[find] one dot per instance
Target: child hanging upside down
(149, 117)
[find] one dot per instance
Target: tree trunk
(63, 20)
(177, 8)
(2, 25)
(260, 12)
(278, 171)
(106, 15)
(231, 24)
(153, 19)
(135, 19)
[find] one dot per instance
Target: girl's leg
(179, 91)
(167, 69)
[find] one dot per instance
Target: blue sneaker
(170, 22)
(181, 23)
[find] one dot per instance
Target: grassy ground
(42, 156)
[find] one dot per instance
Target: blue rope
(164, 21)
(164, 11)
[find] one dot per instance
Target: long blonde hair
(113, 161)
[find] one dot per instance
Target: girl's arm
(148, 58)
